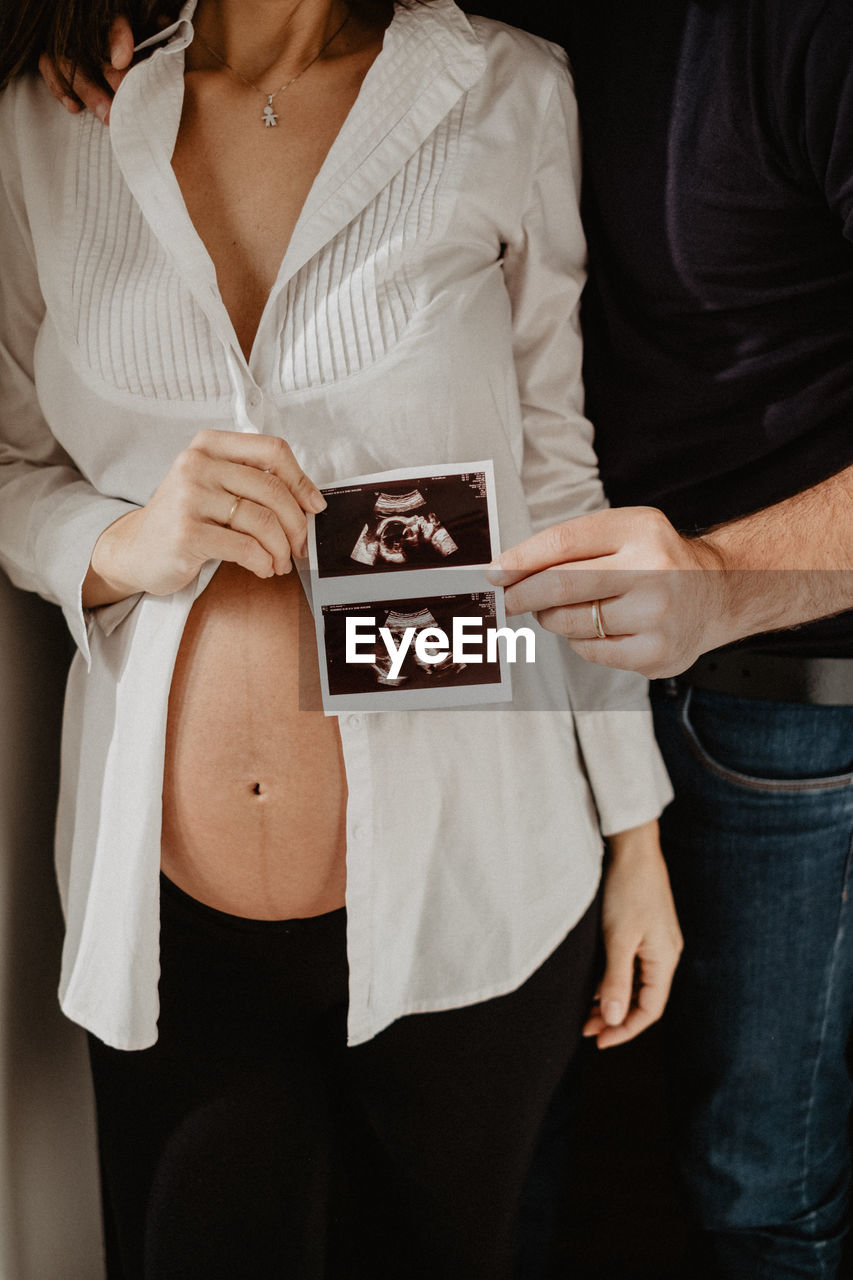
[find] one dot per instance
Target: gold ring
(231, 514)
(597, 624)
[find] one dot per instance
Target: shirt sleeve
(545, 270)
(50, 517)
(822, 89)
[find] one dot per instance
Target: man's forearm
(628, 590)
(787, 564)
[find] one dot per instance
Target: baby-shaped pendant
(269, 117)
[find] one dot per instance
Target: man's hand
(85, 93)
(662, 599)
(642, 939)
(658, 593)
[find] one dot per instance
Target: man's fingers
(93, 97)
(645, 652)
(90, 95)
(629, 603)
(601, 533)
(49, 76)
(51, 79)
(113, 78)
(121, 44)
(643, 535)
(628, 599)
(557, 587)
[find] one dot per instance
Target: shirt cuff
(69, 559)
(626, 773)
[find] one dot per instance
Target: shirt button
(358, 831)
(353, 722)
(254, 397)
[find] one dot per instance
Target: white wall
(49, 1217)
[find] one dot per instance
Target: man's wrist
(725, 609)
(751, 599)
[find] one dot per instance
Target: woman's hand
(86, 93)
(642, 939)
(229, 496)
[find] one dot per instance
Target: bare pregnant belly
(254, 790)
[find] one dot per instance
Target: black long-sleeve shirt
(718, 204)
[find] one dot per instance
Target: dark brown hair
(75, 32)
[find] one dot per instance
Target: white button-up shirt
(425, 313)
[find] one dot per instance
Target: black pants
(251, 1142)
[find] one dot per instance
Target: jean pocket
(775, 734)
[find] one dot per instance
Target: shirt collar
(430, 57)
(443, 21)
(177, 35)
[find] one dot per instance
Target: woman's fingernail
(102, 111)
(318, 502)
(611, 1011)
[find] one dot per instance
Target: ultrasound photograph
(395, 642)
(399, 665)
(422, 522)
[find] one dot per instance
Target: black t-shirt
(718, 204)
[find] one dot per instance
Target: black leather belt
(781, 678)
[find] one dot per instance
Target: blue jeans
(759, 842)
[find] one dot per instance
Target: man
(718, 324)
(719, 327)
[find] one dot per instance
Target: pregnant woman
(332, 970)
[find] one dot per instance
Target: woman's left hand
(642, 939)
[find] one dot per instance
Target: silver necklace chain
(269, 116)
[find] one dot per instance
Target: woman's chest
(244, 178)
(142, 291)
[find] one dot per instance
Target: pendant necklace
(269, 116)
